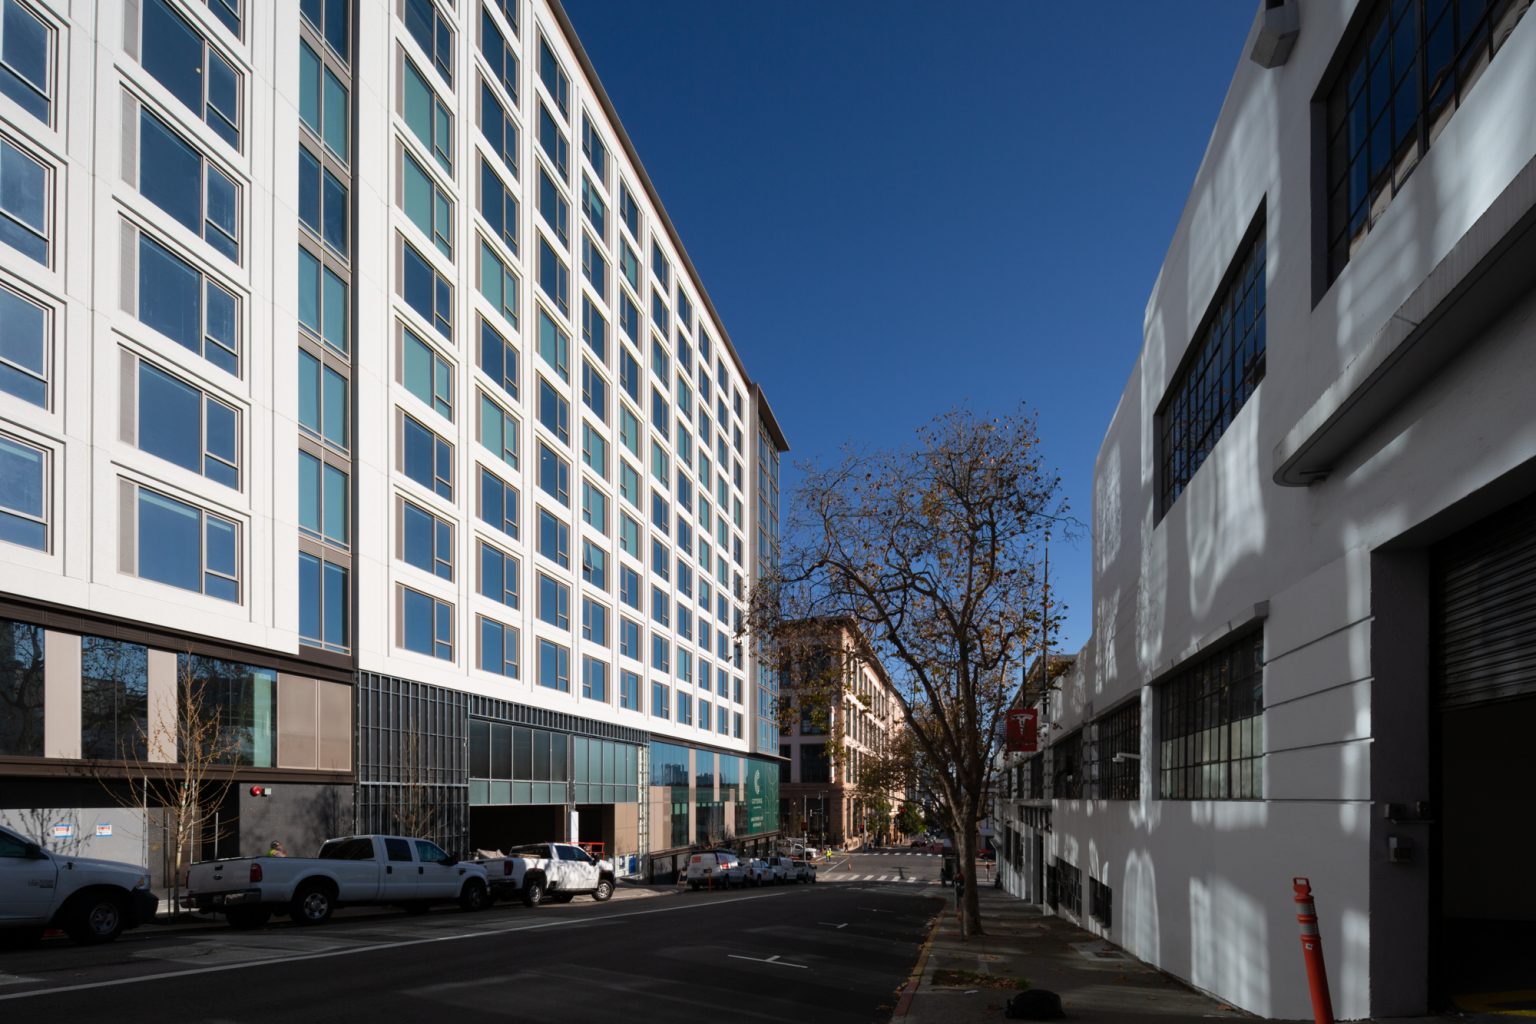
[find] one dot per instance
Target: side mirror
(32, 851)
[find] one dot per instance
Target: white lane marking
(883, 878)
(771, 960)
(830, 924)
(404, 943)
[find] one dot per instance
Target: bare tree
(934, 552)
(180, 760)
(416, 811)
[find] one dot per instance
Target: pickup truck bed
(351, 871)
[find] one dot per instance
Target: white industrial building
(1314, 540)
(350, 362)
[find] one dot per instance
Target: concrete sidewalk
(972, 980)
(1095, 980)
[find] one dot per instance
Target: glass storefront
(512, 764)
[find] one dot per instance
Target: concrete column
(61, 695)
(162, 705)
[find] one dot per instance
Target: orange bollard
(1312, 951)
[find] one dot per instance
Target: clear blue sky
(898, 207)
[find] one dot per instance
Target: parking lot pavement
(692, 957)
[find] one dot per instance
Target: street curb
(904, 1004)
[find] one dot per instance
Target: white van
(715, 869)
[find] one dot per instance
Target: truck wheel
(533, 893)
(95, 917)
(693, 886)
(248, 917)
(312, 904)
(473, 896)
(603, 891)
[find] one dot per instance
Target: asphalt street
(896, 866)
(796, 952)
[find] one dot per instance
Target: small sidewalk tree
(182, 762)
(935, 553)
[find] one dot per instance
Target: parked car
(805, 871)
(92, 900)
(760, 872)
(715, 869)
(351, 871)
(783, 868)
(552, 872)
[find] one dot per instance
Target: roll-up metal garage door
(1485, 609)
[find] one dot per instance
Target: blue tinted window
(428, 459)
(428, 117)
(23, 202)
(432, 33)
(182, 546)
(498, 503)
(498, 54)
(498, 648)
(330, 18)
(323, 603)
(554, 411)
(26, 46)
(498, 205)
(554, 666)
(554, 475)
(428, 541)
(23, 491)
(428, 625)
(554, 276)
(498, 358)
(428, 292)
(554, 539)
(499, 575)
(23, 348)
(194, 73)
(553, 142)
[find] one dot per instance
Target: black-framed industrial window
(1067, 766)
(1119, 733)
(1221, 370)
(1210, 726)
(1035, 787)
(1100, 901)
(1404, 73)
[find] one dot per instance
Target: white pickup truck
(92, 900)
(352, 871)
(552, 872)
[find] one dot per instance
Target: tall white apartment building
(1314, 509)
(352, 370)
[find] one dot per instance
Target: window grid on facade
(1119, 732)
(1067, 766)
(1210, 727)
(1222, 369)
(1406, 73)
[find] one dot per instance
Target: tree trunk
(965, 853)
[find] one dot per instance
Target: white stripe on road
(404, 943)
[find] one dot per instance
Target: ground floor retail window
(1210, 726)
(22, 648)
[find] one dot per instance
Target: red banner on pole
(1022, 738)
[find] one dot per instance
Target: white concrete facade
(1325, 571)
